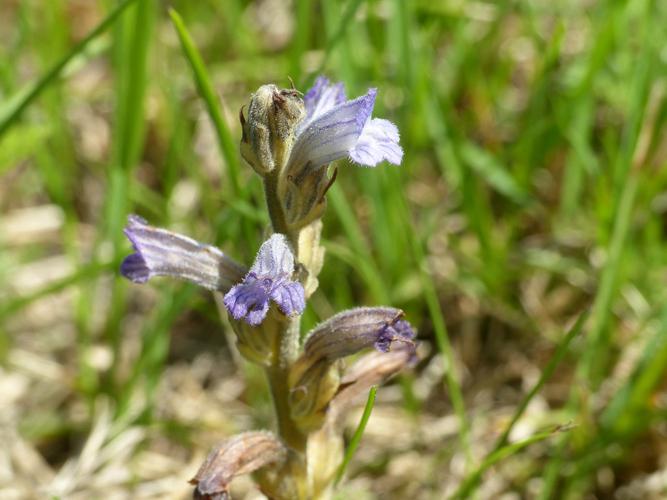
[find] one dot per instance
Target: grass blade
(467, 487)
(356, 437)
(17, 104)
(226, 143)
(546, 375)
(337, 36)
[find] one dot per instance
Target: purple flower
(159, 252)
(398, 331)
(314, 379)
(335, 128)
(350, 331)
(269, 279)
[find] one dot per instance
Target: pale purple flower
(336, 128)
(159, 252)
(269, 278)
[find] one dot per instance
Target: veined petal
(159, 252)
(249, 300)
(332, 135)
(274, 258)
(378, 141)
(290, 297)
(314, 379)
(322, 97)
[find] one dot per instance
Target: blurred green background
(532, 193)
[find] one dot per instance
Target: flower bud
(270, 129)
(237, 455)
(314, 378)
(356, 329)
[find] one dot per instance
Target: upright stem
(289, 342)
(278, 221)
(287, 429)
(287, 349)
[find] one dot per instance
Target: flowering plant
(290, 141)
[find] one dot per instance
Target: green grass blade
(132, 40)
(83, 274)
(299, 42)
(12, 110)
(358, 433)
(492, 171)
(466, 489)
(355, 235)
(345, 21)
(226, 143)
(595, 355)
(547, 372)
(133, 37)
(439, 328)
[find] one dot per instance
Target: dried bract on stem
(238, 455)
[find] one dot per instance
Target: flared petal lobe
(269, 279)
(289, 297)
(249, 299)
(159, 252)
(378, 142)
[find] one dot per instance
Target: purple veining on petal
(269, 279)
(289, 297)
(320, 98)
(332, 135)
(249, 299)
(378, 141)
(274, 258)
(159, 252)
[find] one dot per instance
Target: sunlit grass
(532, 193)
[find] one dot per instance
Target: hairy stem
(287, 349)
(276, 212)
(287, 429)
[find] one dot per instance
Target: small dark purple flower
(397, 331)
(159, 252)
(314, 378)
(335, 128)
(269, 279)
(351, 331)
